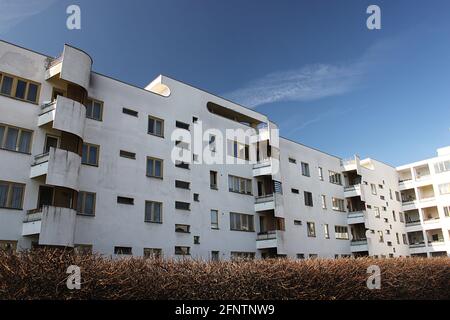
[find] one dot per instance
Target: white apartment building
(86, 162)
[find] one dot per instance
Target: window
(152, 253)
(308, 199)
(237, 255)
(125, 200)
(214, 219)
(380, 236)
(214, 255)
(181, 125)
(394, 216)
(241, 222)
(94, 109)
(213, 180)
(123, 250)
(338, 204)
(341, 232)
(305, 169)
(300, 256)
(295, 191)
(311, 228)
(390, 194)
(196, 197)
(86, 203)
(405, 239)
(155, 126)
(19, 88)
(182, 205)
(182, 165)
(90, 154)
(292, 160)
(239, 185)
(401, 217)
(240, 150)
(373, 188)
(397, 196)
(183, 228)
(182, 184)
(324, 201)
(11, 195)
(297, 222)
(153, 212)
(196, 239)
(313, 256)
(127, 154)
(442, 166)
(15, 139)
(326, 231)
(397, 236)
(154, 167)
(447, 211)
(320, 172)
(377, 212)
(194, 119)
(130, 112)
(382, 198)
(183, 251)
(335, 177)
(444, 188)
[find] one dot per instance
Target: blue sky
(311, 66)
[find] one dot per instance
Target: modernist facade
(87, 162)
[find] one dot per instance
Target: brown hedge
(41, 274)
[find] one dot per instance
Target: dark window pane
(149, 167)
(158, 128)
(158, 169)
(16, 198)
(89, 109)
(20, 89)
(92, 155)
(97, 111)
(25, 140)
(151, 126)
(89, 203)
(2, 134)
(3, 194)
(7, 85)
(11, 138)
(84, 154)
(32, 92)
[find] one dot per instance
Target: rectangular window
(326, 231)
(401, 217)
(152, 253)
(130, 112)
(183, 228)
(94, 109)
(196, 239)
(155, 126)
(338, 204)
(86, 203)
(181, 125)
(308, 198)
(297, 222)
(324, 201)
(444, 188)
(153, 212)
(305, 169)
(320, 172)
(292, 160)
(19, 88)
(397, 196)
(90, 154)
(214, 219)
(214, 255)
(182, 205)
(125, 200)
(442, 166)
(182, 184)
(335, 177)
(311, 228)
(11, 195)
(213, 180)
(296, 191)
(394, 216)
(241, 222)
(380, 236)
(377, 212)
(154, 167)
(447, 211)
(123, 250)
(341, 232)
(240, 150)
(196, 197)
(397, 236)
(238, 255)
(182, 165)
(405, 239)
(182, 251)
(15, 139)
(127, 154)
(239, 185)
(373, 188)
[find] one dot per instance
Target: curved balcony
(61, 168)
(65, 115)
(74, 66)
(54, 225)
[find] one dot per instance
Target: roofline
(312, 148)
(16, 45)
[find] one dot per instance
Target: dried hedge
(41, 274)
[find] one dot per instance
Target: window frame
(89, 145)
(20, 130)
(83, 195)
(152, 211)
(9, 194)
(13, 91)
(311, 229)
(243, 217)
(93, 100)
(214, 226)
(154, 126)
(154, 167)
(305, 169)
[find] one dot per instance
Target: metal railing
(267, 235)
(358, 242)
(265, 198)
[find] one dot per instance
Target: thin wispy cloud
(15, 11)
(310, 82)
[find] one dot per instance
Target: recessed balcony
(412, 217)
(64, 114)
(265, 202)
(426, 193)
(268, 239)
(356, 217)
(422, 172)
(263, 168)
(61, 168)
(352, 191)
(416, 239)
(430, 215)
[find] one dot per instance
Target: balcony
(262, 168)
(61, 168)
(54, 225)
(265, 202)
(358, 245)
(64, 114)
(73, 66)
(268, 239)
(352, 191)
(355, 217)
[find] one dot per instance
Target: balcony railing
(417, 244)
(358, 242)
(265, 198)
(267, 235)
(55, 61)
(41, 158)
(412, 221)
(33, 215)
(262, 163)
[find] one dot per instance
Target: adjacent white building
(87, 162)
